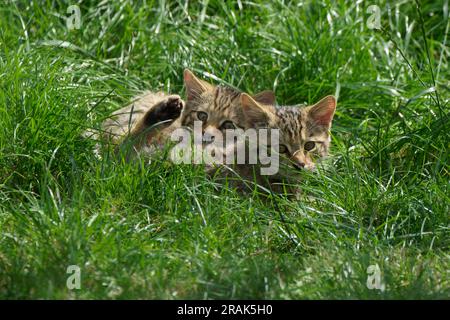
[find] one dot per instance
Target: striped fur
(299, 126)
(135, 125)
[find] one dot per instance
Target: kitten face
(304, 132)
(217, 108)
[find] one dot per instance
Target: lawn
(379, 208)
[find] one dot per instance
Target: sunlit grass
(141, 230)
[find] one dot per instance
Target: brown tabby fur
(297, 126)
(148, 122)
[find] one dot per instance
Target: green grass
(162, 231)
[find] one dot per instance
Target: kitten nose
(299, 165)
(208, 138)
(209, 135)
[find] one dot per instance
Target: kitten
(304, 137)
(146, 125)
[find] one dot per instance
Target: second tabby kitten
(304, 134)
(304, 139)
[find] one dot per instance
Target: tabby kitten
(304, 133)
(147, 124)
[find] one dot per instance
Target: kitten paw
(168, 109)
(173, 107)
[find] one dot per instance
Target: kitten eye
(227, 125)
(282, 148)
(309, 145)
(202, 116)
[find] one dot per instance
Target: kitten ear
(323, 111)
(265, 97)
(256, 115)
(194, 86)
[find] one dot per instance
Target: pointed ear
(265, 97)
(323, 111)
(256, 115)
(194, 86)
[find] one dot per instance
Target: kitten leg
(157, 118)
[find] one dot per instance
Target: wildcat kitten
(146, 125)
(303, 136)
